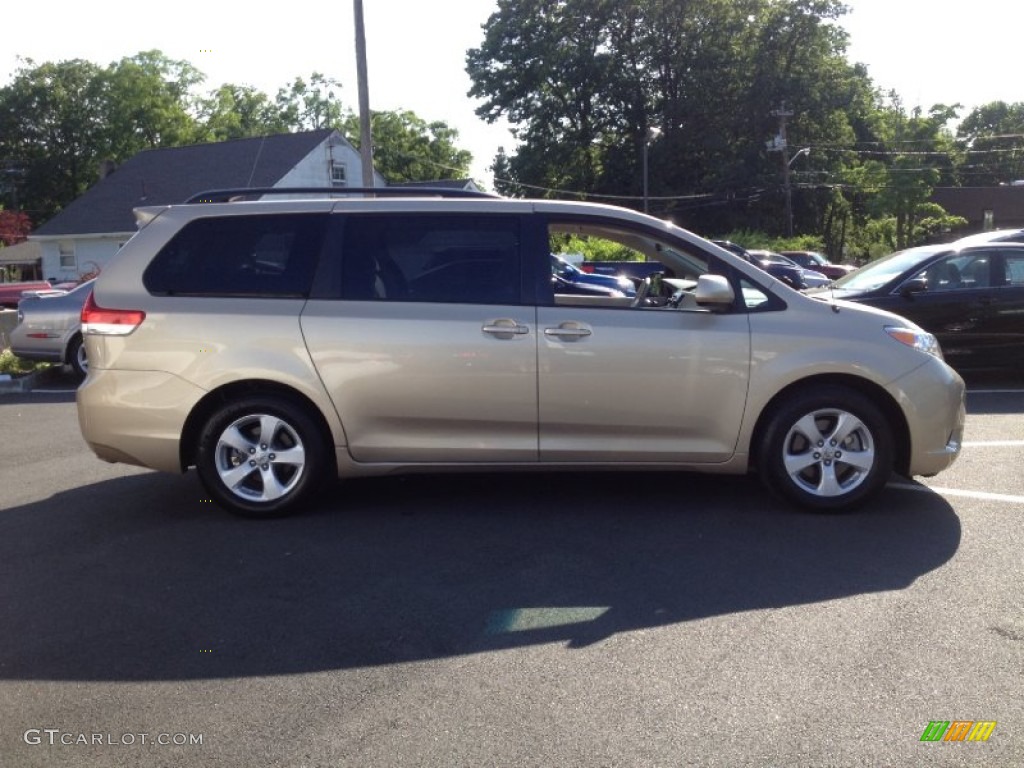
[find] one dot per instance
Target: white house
(83, 237)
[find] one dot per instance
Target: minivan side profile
(275, 345)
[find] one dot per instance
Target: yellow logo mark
(982, 730)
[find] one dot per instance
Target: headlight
(919, 340)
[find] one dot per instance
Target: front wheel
(828, 449)
(261, 456)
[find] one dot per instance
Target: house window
(66, 248)
(988, 220)
(338, 176)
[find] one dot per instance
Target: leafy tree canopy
(60, 121)
(694, 92)
(992, 138)
(408, 148)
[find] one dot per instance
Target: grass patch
(16, 366)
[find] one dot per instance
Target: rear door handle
(505, 328)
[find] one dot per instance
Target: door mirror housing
(714, 292)
(915, 285)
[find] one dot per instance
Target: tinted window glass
(446, 258)
(1014, 270)
(272, 255)
(957, 272)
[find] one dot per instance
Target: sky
(928, 52)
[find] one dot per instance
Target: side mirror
(714, 292)
(916, 285)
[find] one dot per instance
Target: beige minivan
(276, 344)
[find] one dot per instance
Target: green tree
(310, 105)
(905, 158)
(52, 132)
(583, 82)
(237, 112)
(992, 137)
(148, 103)
(408, 148)
(547, 65)
(504, 176)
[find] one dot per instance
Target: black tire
(261, 456)
(77, 358)
(826, 449)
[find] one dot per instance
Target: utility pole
(780, 145)
(365, 133)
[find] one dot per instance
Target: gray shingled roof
(163, 176)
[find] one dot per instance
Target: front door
(650, 378)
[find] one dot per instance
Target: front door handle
(568, 331)
(505, 328)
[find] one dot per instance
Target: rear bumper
(109, 415)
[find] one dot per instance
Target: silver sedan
(49, 328)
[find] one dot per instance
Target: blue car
(573, 276)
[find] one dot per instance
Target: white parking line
(991, 443)
(982, 495)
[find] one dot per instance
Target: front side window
(445, 258)
(664, 273)
(957, 272)
(272, 255)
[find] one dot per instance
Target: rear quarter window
(269, 255)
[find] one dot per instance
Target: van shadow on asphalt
(139, 578)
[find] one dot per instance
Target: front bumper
(932, 400)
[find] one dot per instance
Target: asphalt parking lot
(521, 620)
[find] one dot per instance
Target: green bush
(762, 240)
(15, 365)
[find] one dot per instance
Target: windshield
(878, 273)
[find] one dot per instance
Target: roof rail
(240, 193)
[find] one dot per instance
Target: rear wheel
(828, 449)
(261, 456)
(76, 357)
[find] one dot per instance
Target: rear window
(270, 255)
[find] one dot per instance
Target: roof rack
(242, 193)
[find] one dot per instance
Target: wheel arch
(878, 395)
(69, 345)
(219, 397)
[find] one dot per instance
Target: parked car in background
(993, 236)
(790, 274)
(576, 277)
(11, 293)
(817, 262)
(809, 278)
(971, 297)
(636, 271)
(49, 328)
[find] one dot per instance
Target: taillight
(109, 322)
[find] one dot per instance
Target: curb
(19, 384)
